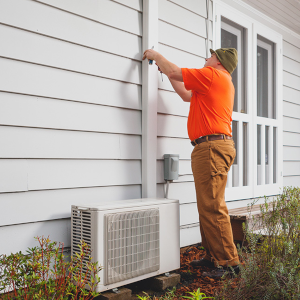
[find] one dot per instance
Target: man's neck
(221, 68)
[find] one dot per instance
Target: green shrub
(271, 260)
(44, 273)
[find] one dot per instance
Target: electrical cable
(167, 190)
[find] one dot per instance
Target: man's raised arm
(172, 71)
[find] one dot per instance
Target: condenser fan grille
(131, 244)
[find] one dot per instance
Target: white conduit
(207, 28)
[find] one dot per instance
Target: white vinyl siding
(181, 37)
(43, 205)
(291, 113)
(22, 234)
(70, 118)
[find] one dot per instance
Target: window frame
(253, 29)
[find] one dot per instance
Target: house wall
(70, 118)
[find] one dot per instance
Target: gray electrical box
(171, 166)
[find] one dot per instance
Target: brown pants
(211, 161)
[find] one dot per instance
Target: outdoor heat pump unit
(131, 239)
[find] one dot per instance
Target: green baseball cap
(228, 57)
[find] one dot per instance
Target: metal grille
(81, 231)
(132, 244)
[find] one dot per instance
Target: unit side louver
(131, 244)
(81, 231)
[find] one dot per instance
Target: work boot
(219, 272)
(202, 263)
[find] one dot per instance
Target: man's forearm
(168, 68)
(173, 72)
(181, 90)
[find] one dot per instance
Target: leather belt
(212, 137)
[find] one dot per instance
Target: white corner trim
(149, 100)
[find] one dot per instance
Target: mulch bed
(191, 278)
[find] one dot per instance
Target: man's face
(212, 61)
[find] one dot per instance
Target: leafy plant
(44, 273)
(146, 297)
(169, 295)
(197, 295)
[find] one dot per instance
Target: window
(256, 124)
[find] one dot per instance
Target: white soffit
(285, 12)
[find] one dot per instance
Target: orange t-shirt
(211, 103)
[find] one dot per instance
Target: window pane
(259, 170)
(230, 40)
(262, 82)
(274, 155)
(235, 165)
(245, 153)
(267, 154)
(265, 79)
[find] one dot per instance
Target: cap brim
(212, 51)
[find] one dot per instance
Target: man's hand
(150, 54)
(165, 66)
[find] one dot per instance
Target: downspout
(149, 100)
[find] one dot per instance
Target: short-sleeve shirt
(211, 103)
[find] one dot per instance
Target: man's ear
(218, 63)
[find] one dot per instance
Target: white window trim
(252, 29)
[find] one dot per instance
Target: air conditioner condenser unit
(132, 239)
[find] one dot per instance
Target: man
(211, 95)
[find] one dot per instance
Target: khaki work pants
(211, 161)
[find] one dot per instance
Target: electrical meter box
(171, 166)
